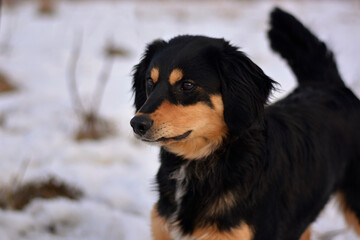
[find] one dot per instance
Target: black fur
(245, 89)
(140, 72)
(297, 45)
(282, 162)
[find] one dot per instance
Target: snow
(116, 174)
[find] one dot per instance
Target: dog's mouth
(166, 139)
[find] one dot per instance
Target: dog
(232, 165)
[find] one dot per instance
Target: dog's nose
(141, 124)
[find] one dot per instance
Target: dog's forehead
(177, 57)
(185, 60)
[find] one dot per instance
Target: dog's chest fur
(181, 180)
(194, 198)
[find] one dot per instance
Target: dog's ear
(245, 89)
(139, 72)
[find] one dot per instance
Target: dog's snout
(141, 124)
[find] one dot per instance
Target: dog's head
(193, 91)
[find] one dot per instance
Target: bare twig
(92, 126)
(0, 14)
(6, 36)
(19, 177)
(7, 193)
(101, 83)
(73, 89)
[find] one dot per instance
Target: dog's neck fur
(198, 191)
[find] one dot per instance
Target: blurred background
(70, 167)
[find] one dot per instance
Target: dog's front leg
(159, 226)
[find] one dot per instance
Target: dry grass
(93, 127)
(46, 7)
(112, 50)
(2, 120)
(20, 196)
(5, 85)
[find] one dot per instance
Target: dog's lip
(164, 139)
(176, 138)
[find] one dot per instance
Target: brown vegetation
(113, 50)
(5, 85)
(92, 125)
(18, 197)
(46, 7)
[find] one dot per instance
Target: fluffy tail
(309, 58)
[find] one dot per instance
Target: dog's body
(232, 168)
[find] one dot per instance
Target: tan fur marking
(349, 215)
(154, 74)
(223, 203)
(306, 235)
(243, 232)
(175, 76)
(206, 123)
(159, 226)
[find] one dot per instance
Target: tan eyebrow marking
(154, 74)
(175, 76)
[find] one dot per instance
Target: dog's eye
(187, 86)
(149, 85)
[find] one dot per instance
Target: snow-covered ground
(116, 174)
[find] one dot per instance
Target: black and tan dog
(232, 167)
